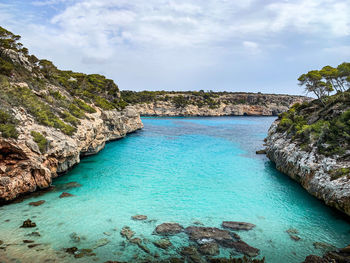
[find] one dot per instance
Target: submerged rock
(237, 225)
(211, 249)
(67, 186)
(84, 252)
(168, 229)
(34, 234)
(27, 241)
(293, 234)
(101, 242)
(33, 245)
(242, 247)
(139, 243)
(323, 246)
(292, 231)
(314, 259)
(74, 237)
(139, 217)
(28, 223)
(163, 243)
(204, 234)
(235, 260)
(37, 203)
(64, 194)
(191, 254)
(261, 151)
(294, 237)
(127, 232)
(71, 250)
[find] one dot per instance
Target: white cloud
(252, 47)
(177, 39)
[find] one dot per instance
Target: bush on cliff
(326, 127)
(40, 141)
(8, 125)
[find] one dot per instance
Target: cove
(185, 170)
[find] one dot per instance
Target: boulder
(168, 229)
(237, 225)
(261, 151)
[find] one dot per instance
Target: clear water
(182, 170)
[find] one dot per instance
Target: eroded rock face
(272, 106)
(310, 169)
(23, 169)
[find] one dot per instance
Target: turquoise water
(182, 170)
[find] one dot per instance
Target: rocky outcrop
(24, 169)
(311, 169)
(230, 104)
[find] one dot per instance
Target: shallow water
(181, 170)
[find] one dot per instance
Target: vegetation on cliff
(323, 123)
(210, 99)
(54, 97)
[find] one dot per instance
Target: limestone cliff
(50, 118)
(310, 143)
(210, 103)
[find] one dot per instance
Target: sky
(231, 45)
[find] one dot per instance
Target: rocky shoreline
(231, 104)
(310, 169)
(24, 169)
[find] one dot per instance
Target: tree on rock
(313, 83)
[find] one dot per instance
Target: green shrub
(103, 103)
(82, 105)
(8, 131)
(21, 96)
(67, 117)
(336, 174)
(180, 101)
(6, 67)
(40, 141)
(8, 125)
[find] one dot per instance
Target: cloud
(252, 47)
(181, 43)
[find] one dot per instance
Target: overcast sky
(233, 45)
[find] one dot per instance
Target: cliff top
(210, 98)
(324, 126)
